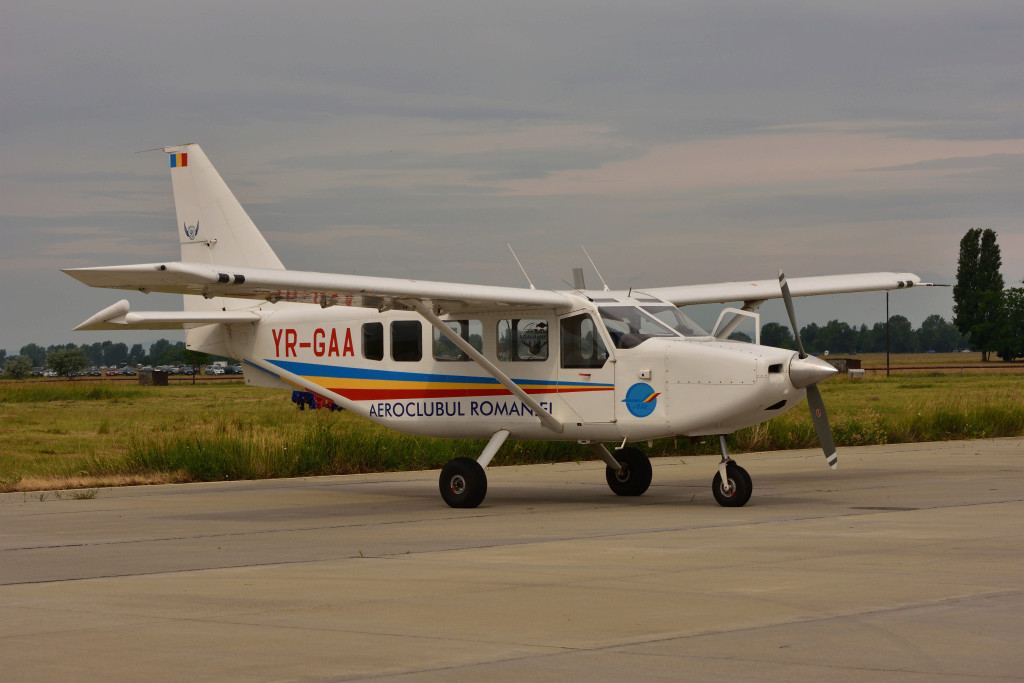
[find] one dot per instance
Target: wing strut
(546, 418)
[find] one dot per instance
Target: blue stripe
(342, 372)
(174, 160)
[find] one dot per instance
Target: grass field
(84, 434)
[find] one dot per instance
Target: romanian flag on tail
(179, 160)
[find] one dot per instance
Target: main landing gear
(732, 485)
(633, 475)
(463, 481)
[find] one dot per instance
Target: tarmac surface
(905, 564)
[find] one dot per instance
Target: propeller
(805, 372)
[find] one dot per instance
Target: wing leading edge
(761, 290)
(326, 289)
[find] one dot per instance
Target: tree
(977, 294)
(809, 337)
(115, 354)
(196, 359)
(777, 335)
(164, 352)
(67, 362)
(3, 357)
(136, 354)
(18, 366)
(36, 353)
(935, 334)
(836, 337)
(1010, 337)
(901, 335)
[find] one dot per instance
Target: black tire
(635, 476)
(749, 483)
(741, 484)
(463, 483)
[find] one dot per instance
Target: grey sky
(681, 142)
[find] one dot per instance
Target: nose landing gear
(732, 485)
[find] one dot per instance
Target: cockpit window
(677, 320)
(629, 325)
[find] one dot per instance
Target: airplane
(478, 361)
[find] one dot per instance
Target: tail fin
(212, 226)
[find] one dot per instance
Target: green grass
(88, 434)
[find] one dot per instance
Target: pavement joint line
(855, 511)
(435, 551)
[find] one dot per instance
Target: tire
(635, 476)
(740, 482)
(463, 483)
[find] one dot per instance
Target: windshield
(677, 320)
(629, 326)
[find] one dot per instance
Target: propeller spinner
(805, 372)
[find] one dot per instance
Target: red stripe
(184, 158)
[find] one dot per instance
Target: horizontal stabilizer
(119, 317)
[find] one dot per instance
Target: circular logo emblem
(641, 399)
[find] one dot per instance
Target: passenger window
(470, 330)
(522, 339)
(406, 341)
(373, 341)
(582, 346)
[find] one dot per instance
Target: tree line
(67, 359)
(935, 334)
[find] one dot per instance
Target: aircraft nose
(804, 372)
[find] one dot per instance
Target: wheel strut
(723, 465)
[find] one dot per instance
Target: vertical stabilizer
(212, 226)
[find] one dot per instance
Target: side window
(470, 330)
(522, 339)
(406, 340)
(582, 346)
(373, 341)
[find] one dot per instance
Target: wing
(761, 290)
(326, 289)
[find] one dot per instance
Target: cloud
(694, 141)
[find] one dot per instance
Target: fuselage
(613, 367)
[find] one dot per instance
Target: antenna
(595, 268)
(520, 265)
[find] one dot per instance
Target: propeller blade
(788, 299)
(819, 416)
(812, 373)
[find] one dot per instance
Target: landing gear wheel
(740, 487)
(463, 483)
(635, 476)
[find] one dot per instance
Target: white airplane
(476, 361)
